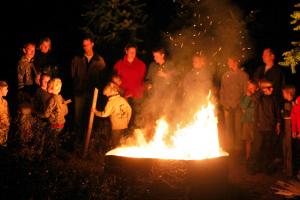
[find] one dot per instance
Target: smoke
(214, 30)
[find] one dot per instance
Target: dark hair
(27, 44)
(265, 81)
(45, 74)
(290, 88)
(159, 50)
(45, 39)
(130, 45)
(271, 50)
(252, 81)
(87, 37)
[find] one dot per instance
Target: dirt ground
(72, 177)
(256, 186)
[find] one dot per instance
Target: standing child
(55, 111)
(267, 121)
(4, 114)
(288, 93)
(42, 97)
(119, 111)
(248, 108)
(295, 119)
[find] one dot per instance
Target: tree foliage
(113, 21)
(291, 58)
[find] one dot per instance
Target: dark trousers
(233, 129)
(52, 142)
(264, 152)
(136, 120)
(81, 114)
(296, 155)
(116, 136)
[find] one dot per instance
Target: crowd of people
(259, 114)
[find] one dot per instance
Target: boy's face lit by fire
(3, 91)
(267, 90)
(29, 51)
(45, 46)
(44, 81)
(287, 95)
(159, 57)
(251, 88)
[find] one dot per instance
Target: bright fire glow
(198, 140)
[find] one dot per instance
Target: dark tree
(115, 22)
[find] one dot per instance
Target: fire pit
(185, 164)
(148, 178)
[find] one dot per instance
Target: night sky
(30, 20)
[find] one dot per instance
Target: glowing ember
(198, 140)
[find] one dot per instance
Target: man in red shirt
(131, 71)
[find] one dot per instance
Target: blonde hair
(111, 89)
(54, 86)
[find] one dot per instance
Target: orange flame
(198, 140)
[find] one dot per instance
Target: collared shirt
(26, 72)
(157, 81)
(274, 74)
(87, 75)
(233, 87)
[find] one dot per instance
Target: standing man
(131, 71)
(233, 86)
(197, 83)
(271, 72)
(87, 72)
(160, 78)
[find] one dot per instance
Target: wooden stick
(90, 125)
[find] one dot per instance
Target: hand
(277, 129)
(298, 136)
(68, 101)
(294, 135)
(149, 86)
(93, 110)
